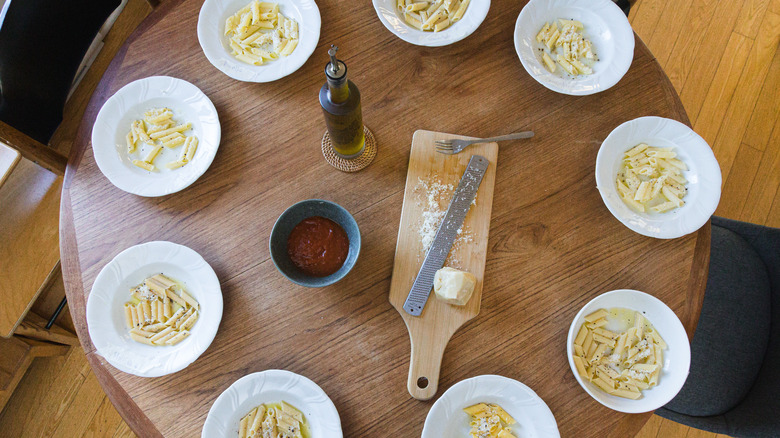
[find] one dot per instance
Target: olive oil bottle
(340, 101)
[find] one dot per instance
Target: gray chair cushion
(731, 339)
(759, 414)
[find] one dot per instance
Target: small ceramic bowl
(292, 217)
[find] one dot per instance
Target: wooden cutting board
(430, 332)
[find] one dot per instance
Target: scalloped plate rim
(176, 361)
(701, 162)
(385, 8)
(272, 71)
(544, 425)
(678, 335)
(105, 129)
(616, 69)
(215, 421)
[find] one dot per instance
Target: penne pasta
(621, 363)
(141, 339)
(432, 15)
(144, 165)
(149, 317)
(258, 33)
(651, 179)
(178, 338)
(158, 129)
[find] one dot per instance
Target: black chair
(734, 383)
(42, 44)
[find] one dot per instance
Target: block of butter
(454, 286)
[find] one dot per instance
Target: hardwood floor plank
(632, 12)
(647, 16)
(105, 422)
(767, 108)
(758, 204)
(738, 186)
(671, 25)
(82, 409)
(650, 430)
(747, 91)
(750, 17)
(123, 431)
(680, 63)
(671, 429)
(698, 433)
(708, 54)
(774, 213)
(49, 386)
(724, 84)
(31, 388)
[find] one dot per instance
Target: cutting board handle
(425, 364)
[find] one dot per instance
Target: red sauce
(318, 246)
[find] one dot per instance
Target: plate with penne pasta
(156, 136)
(258, 41)
(432, 23)
(629, 351)
(575, 47)
(658, 177)
(490, 406)
(154, 309)
(273, 403)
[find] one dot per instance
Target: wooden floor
(722, 57)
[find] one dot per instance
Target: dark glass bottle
(340, 101)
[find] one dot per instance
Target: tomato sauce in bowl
(318, 246)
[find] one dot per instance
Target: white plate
(606, 26)
(272, 386)
(446, 418)
(216, 46)
(677, 358)
(703, 176)
(393, 20)
(106, 317)
(188, 103)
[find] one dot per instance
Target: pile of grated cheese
(435, 198)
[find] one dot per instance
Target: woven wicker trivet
(353, 165)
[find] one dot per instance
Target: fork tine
(444, 149)
(443, 142)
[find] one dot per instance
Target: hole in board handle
(422, 382)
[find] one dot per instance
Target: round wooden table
(553, 244)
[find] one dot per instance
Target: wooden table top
(553, 244)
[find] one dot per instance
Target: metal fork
(450, 147)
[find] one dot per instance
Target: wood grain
(33, 150)
(18, 354)
(717, 36)
(553, 245)
(34, 326)
(745, 94)
(29, 249)
(430, 332)
(8, 159)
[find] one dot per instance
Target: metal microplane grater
(445, 236)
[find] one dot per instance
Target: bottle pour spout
(335, 69)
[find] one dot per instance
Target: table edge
(130, 412)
